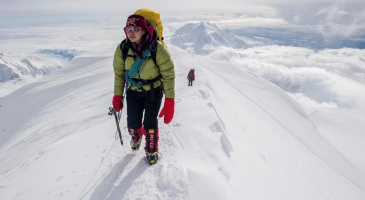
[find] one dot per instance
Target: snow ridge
(234, 136)
(315, 142)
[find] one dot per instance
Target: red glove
(118, 102)
(168, 110)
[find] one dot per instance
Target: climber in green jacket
(144, 72)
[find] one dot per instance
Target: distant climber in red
(191, 77)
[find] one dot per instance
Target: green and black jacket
(163, 66)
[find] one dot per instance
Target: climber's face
(134, 33)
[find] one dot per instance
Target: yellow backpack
(154, 18)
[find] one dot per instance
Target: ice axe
(112, 111)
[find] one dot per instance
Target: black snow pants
(141, 106)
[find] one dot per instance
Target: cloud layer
(333, 19)
(338, 19)
(330, 77)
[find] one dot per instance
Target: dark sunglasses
(133, 29)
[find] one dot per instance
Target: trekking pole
(112, 111)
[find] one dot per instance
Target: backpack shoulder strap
(154, 52)
(124, 48)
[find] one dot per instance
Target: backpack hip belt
(149, 82)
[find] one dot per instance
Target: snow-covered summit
(204, 38)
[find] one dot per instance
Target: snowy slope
(234, 136)
(345, 129)
(204, 38)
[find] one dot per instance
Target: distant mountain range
(204, 38)
(15, 69)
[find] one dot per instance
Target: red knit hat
(136, 20)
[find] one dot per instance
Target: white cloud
(164, 6)
(335, 19)
(308, 102)
(340, 19)
(264, 8)
(245, 20)
(329, 77)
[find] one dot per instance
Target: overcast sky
(19, 7)
(335, 19)
(300, 11)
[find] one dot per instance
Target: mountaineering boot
(151, 148)
(152, 137)
(136, 138)
(152, 158)
(135, 144)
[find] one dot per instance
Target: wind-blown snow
(234, 136)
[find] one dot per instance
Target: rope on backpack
(134, 72)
